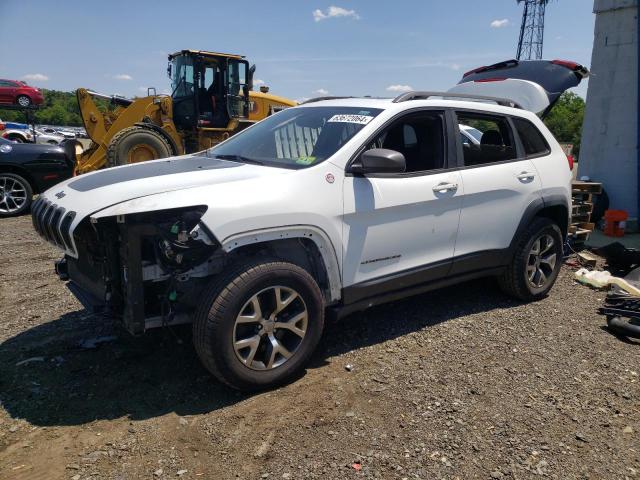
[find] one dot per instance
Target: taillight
(570, 160)
(2, 126)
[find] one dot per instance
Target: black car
(27, 169)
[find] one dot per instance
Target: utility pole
(532, 30)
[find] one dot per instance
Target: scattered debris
(181, 472)
(348, 367)
(602, 279)
(587, 259)
(618, 256)
(627, 429)
(91, 343)
(30, 360)
(158, 472)
(582, 437)
(357, 466)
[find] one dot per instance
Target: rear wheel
(23, 101)
(259, 325)
(15, 195)
(136, 144)
(536, 262)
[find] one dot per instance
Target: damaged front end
(146, 268)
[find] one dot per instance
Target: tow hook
(61, 269)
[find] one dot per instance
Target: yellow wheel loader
(212, 98)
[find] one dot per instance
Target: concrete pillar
(609, 150)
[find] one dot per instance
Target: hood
(96, 191)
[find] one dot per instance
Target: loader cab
(208, 89)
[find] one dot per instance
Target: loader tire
(136, 144)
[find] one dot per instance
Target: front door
(400, 229)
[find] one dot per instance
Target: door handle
(445, 187)
(525, 176)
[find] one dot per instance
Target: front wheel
(15, 195)
(536, 262)
(259, 325)
(136, 144)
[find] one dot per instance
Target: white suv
(332, 206)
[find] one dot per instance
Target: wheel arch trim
(315, 234)
(533, 209)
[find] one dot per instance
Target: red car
(16, 92)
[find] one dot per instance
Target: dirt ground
(458, 383)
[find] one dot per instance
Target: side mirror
(380, 160)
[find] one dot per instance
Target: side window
(496, 142)
(419, 137)
(532, 140)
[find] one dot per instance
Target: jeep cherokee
(332, 206)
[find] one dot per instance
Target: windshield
(296, 137)
(182, 79)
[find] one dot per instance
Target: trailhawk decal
(359, 119)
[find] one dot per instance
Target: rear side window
(496, 142)
(532, 140)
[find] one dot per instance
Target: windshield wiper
(238, 158)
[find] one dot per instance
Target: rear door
(534, 84)
(499, 182)
(7, 90)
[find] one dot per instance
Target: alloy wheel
(270, 328)
(13, 195)
(541, 261)
(24, 101)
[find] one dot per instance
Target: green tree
(59, 108)
(565, 120)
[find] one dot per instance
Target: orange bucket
(615, 222)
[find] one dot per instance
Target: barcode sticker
(360, 119)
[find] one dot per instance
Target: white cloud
(500, 23)
(123, 76)
(36, 77)
(321, 91)
(399, 88)
(334, 12)
(257, 82)
(455, 67)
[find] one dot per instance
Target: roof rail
(319, 99)
(505, 102)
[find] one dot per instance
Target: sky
(301, 48)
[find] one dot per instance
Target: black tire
(16, 138)
(9, 208)
(150, 144)
(515, 280)
(52, 142)
(224, 299)
(23, 101)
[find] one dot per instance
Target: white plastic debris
(30, 360)
(602, 279)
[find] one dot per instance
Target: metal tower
(532, 30)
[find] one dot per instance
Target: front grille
(53, 223)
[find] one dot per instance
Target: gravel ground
(459, 383)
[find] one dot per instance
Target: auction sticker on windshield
(360, 119)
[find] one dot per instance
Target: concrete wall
(609, 151)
